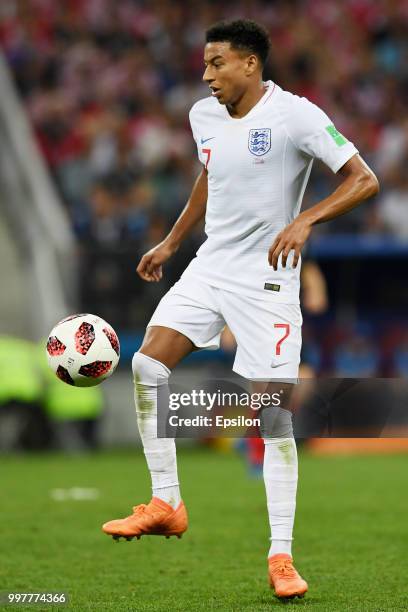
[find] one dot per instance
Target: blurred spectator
(23, 422)
(356, 358)
(394, 204)
(314, 289)
(108, 86)
(37, 410)
(400, 361)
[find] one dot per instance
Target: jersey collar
(270, 90)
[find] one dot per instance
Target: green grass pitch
(351, 536)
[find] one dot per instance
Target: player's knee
(276, 422)
(149, 371)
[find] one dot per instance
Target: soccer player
(256, 143)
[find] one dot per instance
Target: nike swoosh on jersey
(203, 140)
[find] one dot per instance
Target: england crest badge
(259, 141)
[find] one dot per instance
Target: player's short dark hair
(242, 34)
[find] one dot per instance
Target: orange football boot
(155, 518)
(284, 578)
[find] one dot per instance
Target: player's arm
(359, 184)
(150, 266)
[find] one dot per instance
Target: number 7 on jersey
(208, 153)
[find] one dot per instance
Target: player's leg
(268, 353)
(280, 473)
(280, 468)
(180, 324)
(162, 349)
(166, 345)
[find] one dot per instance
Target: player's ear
(252, 63)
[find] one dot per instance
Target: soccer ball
(83, 350)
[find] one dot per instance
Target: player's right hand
(150, 266)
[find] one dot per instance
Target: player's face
(227, 71)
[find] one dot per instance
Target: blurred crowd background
(108, 86)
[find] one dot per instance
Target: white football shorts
(268, 334)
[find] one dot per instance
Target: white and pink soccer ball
(83, 350)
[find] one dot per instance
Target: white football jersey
(258, 168)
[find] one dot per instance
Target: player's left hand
(293, 237)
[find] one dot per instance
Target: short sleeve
(195, 134)
(312, 132)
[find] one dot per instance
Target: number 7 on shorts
(286, 327)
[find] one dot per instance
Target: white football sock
(280, 476)
(150, 377)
